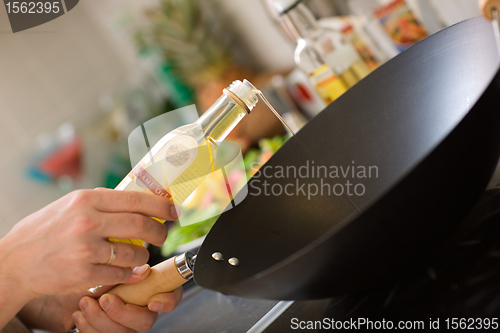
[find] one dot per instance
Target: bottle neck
(300, 21)
(220, 119)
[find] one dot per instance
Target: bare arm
(14, 294)
(57, 313)
(63, 249)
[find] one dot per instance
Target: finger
(98, 319)
(103, 188)
(139, 273)
(165, 302)
(98, 292)
(132, 316)
(82, 324)
(108, 275)
(132, 225)
(126, 255)
(135, 202)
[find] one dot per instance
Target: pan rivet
(217, 256)
(234, 261)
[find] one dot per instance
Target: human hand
(59, 313)
(110, 314)
(63, 247)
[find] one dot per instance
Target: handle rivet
(217, 256)
(233, 261)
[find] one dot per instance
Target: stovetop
(460, 279)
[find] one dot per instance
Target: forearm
(14, 294)
(50, 313)
(9, 306)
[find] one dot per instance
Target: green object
(178, 235)
(192, 37)
(273, 144)
(118, 167)
(180, 94)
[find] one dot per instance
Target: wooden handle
(163, 278)
(487, 7)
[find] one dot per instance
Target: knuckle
(119, 274)
(81, 198)
(132, 199)
(84, 224)
(122, 274)
(113, 310)
(85, 250)
(128, 254)
(141, 223)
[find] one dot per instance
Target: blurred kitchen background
(72, 90)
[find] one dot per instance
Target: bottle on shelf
(360, 46)
(179, 162)
(328, 59)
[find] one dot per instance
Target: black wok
(429, 120)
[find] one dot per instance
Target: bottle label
(327, 83)
(149, 181)
(360, 46)
(170, 175)
(177, 155)
(401, 24)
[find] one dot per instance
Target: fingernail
(84, 304)
(76, 317)
(174, 213)
(155, 306)
(140, 269)
(104, 302)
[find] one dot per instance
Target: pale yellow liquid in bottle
(179, 162)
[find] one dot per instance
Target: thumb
(139, 273)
